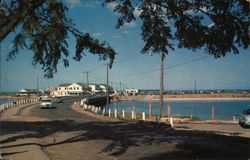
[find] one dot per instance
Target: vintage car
(245, 119)
(58, 100)
(46, 103)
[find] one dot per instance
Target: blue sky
(132, 68)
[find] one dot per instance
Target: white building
(25, 92)
(95, 88)
(73, 89)
(132, 91)
(104, 88)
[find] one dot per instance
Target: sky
(132, 68)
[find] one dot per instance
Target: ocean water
(2, 101)
(223, 110)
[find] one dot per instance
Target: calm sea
(2, 101)
(223, 110)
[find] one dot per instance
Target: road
(64, 134)
(62, 111)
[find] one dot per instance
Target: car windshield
(247, 112)
(46, 100)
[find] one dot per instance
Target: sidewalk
(16, 150)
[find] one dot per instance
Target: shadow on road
(11, 153)
(190, 144)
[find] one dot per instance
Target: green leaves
(94, 46)
(44, 29)
(218, 26)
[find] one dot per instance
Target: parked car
(46, 103)
(245, 119)
(58, 100)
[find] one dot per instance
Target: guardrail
(17, 103)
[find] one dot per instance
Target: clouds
(84, 3)
(98, 34)
(126, 32)
(137, 12)
(111, 6)
(132, 24)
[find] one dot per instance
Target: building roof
(83, 84)
(28, 90)
(65, 84)
(105, 85)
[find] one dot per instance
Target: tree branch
(15, 17)
(9, 28)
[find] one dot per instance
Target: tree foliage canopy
(42, 27)
(218, 26)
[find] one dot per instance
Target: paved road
(62, 111)
(66, 134)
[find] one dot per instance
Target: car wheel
(243, 125)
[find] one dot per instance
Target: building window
(77, 88)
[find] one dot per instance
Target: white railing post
(109, 112)
(171, 121)
(143, 116)
(123, 113)
(103, 111)
(115, 113)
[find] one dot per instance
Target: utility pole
(37, 85)
(0, 85)
(195, 86)
(161, 86)
(116, 88)
(0, 69)
(120, 87)
(107, 89)
(87, 73)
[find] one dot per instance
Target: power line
(187, 62)
(156, 70)
(0, 69)
(126, 60)
(169, 67)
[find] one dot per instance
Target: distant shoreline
(10, 97)
(199, 99)
(186, 98)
